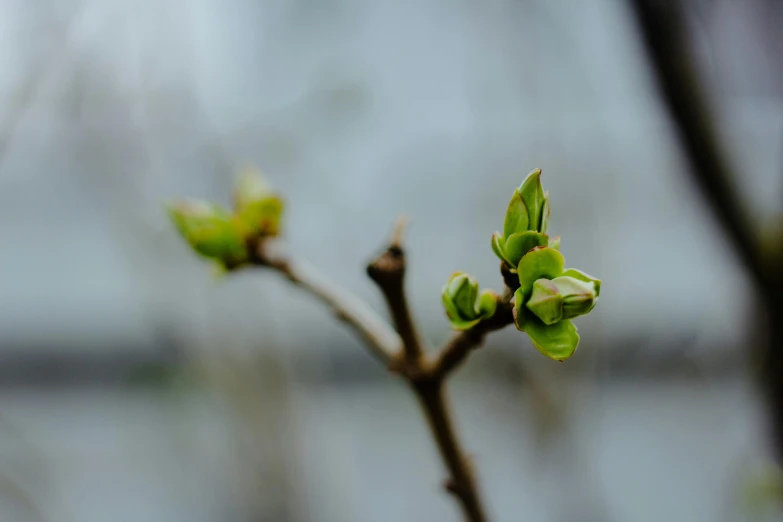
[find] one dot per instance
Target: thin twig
(388, 272)
(404, 353)
(383, 341)
(461, 482)
(457, 349)
(425, 377)
(399, 231)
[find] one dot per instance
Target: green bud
(578, 274)
(546, 301)
(548, 296)
(258, 208)
(211, 231)
(579, 297)
(464, 307)
(488, 303)
(251, 186)
(561, 298)
(525, 223)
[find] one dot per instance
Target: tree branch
(461, 482)
(381, 339)
(388, 272)
(663, 29)
(462, 344)
(402, 352)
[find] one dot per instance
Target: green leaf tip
(525, 223)
(532, 193)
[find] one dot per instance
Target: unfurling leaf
(210, 230)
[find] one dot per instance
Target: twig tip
(400, 226)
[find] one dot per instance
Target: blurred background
(134, 386)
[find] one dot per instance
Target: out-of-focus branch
(662, 27)
(381, 339)
(663, 30)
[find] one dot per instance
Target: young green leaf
(517, 216)
(532, 194)
(211, 231)
(519, 244)
(539, 263)
(558, 341)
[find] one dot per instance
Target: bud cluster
(549, 295)
(225, 236)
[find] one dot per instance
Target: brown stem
(388, 272)
(462, 483)
(381, 339)
(461, 344)
(427, 378)
(404, 353)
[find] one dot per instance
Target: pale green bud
(209, 230)
(546, 301)
(258, 208)
(251, 186)
(579, 297)
(578, 274)
(561, 298)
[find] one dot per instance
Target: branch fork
(401, 347)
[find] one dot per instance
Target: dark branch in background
(662, 26)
